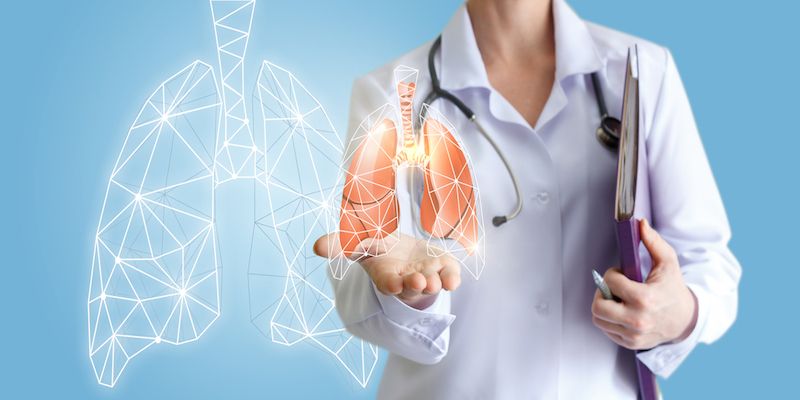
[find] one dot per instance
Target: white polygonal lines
(155, 262)
(370, 210)
(446, 207)
(406, 78)
(154, 269)
(302, 170)
(236, 152)
(473, 259)
(301, 174)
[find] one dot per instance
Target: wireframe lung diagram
(155, 275)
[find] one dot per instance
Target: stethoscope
(607, 133)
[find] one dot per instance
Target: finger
(660, 251)
(627, 290)
(430, 270)
(450, 275)
(433, 283)
(610, 327)
(327, 246)
(610, 310)
(413, 285)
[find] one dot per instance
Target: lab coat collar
(576, 52)
(462, 66)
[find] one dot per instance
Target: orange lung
(448, 203)
(369, 206)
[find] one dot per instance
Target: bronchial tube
(235, 155)
(405, 91)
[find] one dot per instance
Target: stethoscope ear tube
(436, 93)
(502, 219)
(607, 133)
(436, 87)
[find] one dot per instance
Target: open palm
(404, 266)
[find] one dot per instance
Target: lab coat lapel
(461, 65)
(576, 54)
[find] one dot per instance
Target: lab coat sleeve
(687, 211)
(422, 336)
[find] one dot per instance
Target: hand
(660, 310)
(407, 270)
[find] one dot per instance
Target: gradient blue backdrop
(75, 74)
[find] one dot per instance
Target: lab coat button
(543, 197)
(543, 308)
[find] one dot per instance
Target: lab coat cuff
(664, 359)
(431, 321)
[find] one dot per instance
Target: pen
(601, 285)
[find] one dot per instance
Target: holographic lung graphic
(448, 210)
(236, 152)
(154, 271)
(155, 268)
(301, 174)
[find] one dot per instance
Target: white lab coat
(524, 329)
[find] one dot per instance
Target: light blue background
(75, 74)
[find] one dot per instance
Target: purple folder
(628, 240)
(627, 225)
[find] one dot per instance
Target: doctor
(533, 326)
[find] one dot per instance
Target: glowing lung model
(448, 210)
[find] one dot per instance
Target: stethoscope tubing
(605, 134)
(437, 92)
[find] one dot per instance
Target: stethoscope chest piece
(608, 132)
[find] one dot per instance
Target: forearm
(421, 335)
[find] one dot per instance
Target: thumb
(327, 246)
(660, 251)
